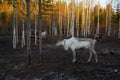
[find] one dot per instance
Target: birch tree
(23, 29)
(60, 18)
(72, 20)
(109, 22)
(40, 29)
(65, 18)
(106, 20)
(118, 10)
(68, 27)
(16, 22)
(77, 19)
(97, 29)
(83, 20)
(14, 27)
(28, 31)
(35, 22)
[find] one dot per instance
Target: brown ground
(57, 63)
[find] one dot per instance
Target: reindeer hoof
(74, 60)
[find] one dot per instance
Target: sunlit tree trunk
(65, 19)
(86, 19)
(109, 25)
(97, 29)
(16, 23)
(72, 20)
(77, 19)
(53, 17)
(83, 20)
(89, 17)
(14, 30)
(106, 21)
(68, 20)
(60, 18)
(55, 21)
(35, 23)
(28, 31)
(40, 29)
(23, 29)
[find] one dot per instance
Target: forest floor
(57, 63)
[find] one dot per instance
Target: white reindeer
(77, 43)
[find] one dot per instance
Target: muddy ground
(57, 63)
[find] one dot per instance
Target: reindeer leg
(90, 56)
(93, 50)
(74, 56)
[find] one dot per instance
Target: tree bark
(23, 30)
(14, 30)
(77, 19)
(28, 31)
(35, 23)
(97, 29)
(40, 29)
(68, 20)
(119, 25)
(72, 20)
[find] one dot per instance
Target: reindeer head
(61, 42)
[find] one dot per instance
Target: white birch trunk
(35, 23)
(77, 19)
(14, 29)
(23, 30)
(65, 20)
(109, 26)
(106, 29)
(97, 29)
(110, 22)
(72, 20)
(89, 17)
(60, 19)
(68, 20)
(16, 23)
(83, 20)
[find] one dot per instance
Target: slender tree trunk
(77, 19)
(86, 22)
(40, 29)
(16, 23)
(97, 29)
(65, 20)
(83, 20)
(23, 30)
(119, 25)
(28, 31)
(55, 21)
(72, 20)
(60, 18)
(53, 18)
(89, 17)
(68, 20)
(109, 25)
(14, 30)
(35, 23)
(106, 21)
